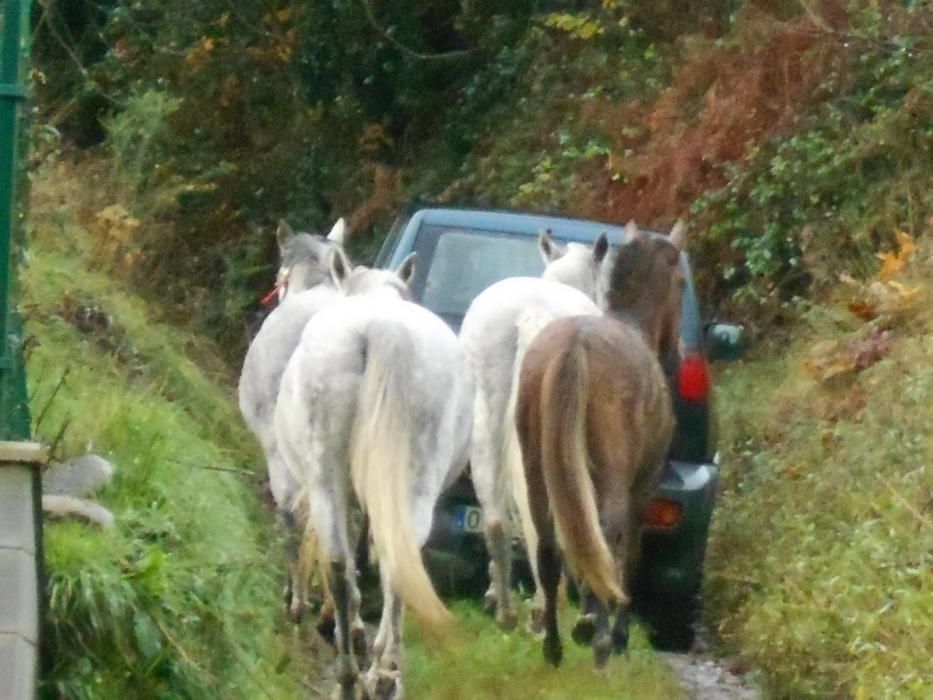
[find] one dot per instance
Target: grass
(482, 661)
(181, 598)
(820, 563)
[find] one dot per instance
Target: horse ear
(600, 248)
(678, 235)
(406, 271)
(339, 267)
(338, 232)
(283, 232)
(632, 232)
(550, 250)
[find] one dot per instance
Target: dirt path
(707, 678)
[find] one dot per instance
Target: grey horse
(304, 286)
(375, 410)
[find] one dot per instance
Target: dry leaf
(894, 262)
(906, 244)
(891, 264)
(865, 310)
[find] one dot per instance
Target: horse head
(642, 282)
(366, 280)
(576, 265)
(304, 258)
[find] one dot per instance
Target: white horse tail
(564, 463)
(528, 325)
(380, 464)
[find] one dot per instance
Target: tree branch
(408, 51)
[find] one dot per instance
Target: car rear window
(456, 264)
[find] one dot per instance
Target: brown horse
(594, 421)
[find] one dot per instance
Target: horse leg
(602, 638)
(627, 553)
(487, 480)
(384, 680)
(357, 628)
(536, 621)
(296, 588)
(348, 672)
(530, 537)
(500, 568)
(550, 567)
(528, 424)
(326, 624)
(362, 546)
(584, 629)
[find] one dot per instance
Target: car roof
(397, 246)
(527, 223)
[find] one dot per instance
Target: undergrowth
(181, 598)
(821, 562)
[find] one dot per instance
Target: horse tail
(565, 462)
(528, 325)
(380, 467)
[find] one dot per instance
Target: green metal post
(20, 514)
(11, 94)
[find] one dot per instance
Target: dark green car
(463, 251)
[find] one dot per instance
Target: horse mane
(303, 247)
(634, 269)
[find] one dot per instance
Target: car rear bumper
(672, 559)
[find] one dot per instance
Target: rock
(79, 476)
(89, 511)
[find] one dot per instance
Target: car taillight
(693, 379)
(663, 514)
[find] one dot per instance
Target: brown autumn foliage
(756, 86)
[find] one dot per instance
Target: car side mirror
(725, 341)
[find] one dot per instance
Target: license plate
(467, 518)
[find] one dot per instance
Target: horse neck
(309, 278)
(574, 271)
(651, 326)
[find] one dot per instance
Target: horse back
(628, 416)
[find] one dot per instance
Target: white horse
(304, 286)
(375, 408)
(498, 326)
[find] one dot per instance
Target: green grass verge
(820, 564)
(482, 661)
(181, 598)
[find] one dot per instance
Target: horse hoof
(326, 627)
(353, 692)
(387, 686)
(507, 619)
(620, 641)
(536, 622)
(489, 602)
(584, 630)
(294, 612)
(553, 653)
(358, 642)
(602, 650)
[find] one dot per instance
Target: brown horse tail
(380, 464)
(564, 462)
